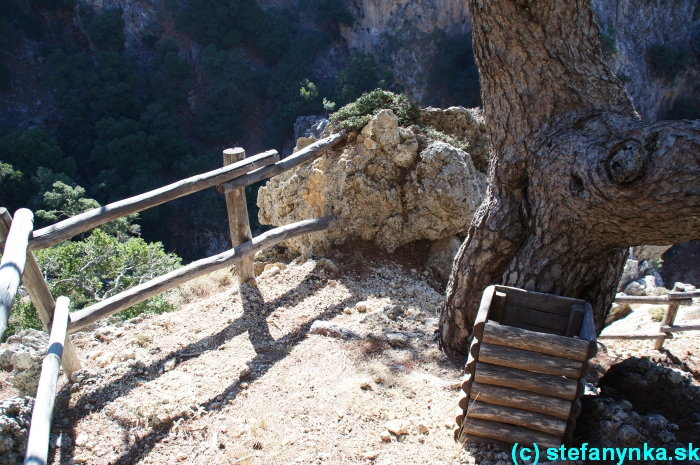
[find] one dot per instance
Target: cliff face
(632, 28)
(401, 34)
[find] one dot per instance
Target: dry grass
(204, 286)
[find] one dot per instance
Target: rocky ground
(326, 360)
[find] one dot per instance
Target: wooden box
(526, 370)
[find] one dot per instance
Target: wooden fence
(18, 265)
(667, 327)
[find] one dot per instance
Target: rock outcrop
(389, 185)
(23, 354)
(15, 415)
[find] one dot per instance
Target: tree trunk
(575, 177)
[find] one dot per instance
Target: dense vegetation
(357, 114)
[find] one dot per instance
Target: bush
(224, 23)
(361, 75)
(273, 38)
(172, 77)
(106, 30)
(357, 114)
(668, 62)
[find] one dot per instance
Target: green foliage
(328, 105)
(274, 36)
(106, 30)
(441, 136)
(328, 11)
(290, 85)
(668, 62)
(454, 76)
(224, 23)
(657, 313)
(172, 77)
(66, 201)
(23, 316)
(101, 266)
(624, 78)
(27, 156)
(361, 75)
(357, 114)
(219, 124)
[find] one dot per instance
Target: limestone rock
(617, 312)
(441, 256)
(327, 328)
(15, 415)
(380, 188)
(465, 125)
(397, 427)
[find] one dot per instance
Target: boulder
(15, 415)
(381, 187)
(441, 255)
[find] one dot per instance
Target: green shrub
(441, 136)
(608, 43)
(273, 38)
(106, 30)
(668, 62)
(172, 76)
(224, 23)
(357, 114)
(361, 75)
(657, 313)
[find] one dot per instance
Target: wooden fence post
(40, 426)
(238, 218)
(669, 318)
(14, 258)
(41, 297)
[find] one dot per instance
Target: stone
(82, 439)
(377, 379)
(365, 383)
(372, 454)
(385, 436)
(382, 189)
(441, 256)
(397, 340)
(617, 312)
(330, 329)
(82, 458)
(628, 434)
(170, 364)
(15, 416)
(635, 288)
(397, 427)
(128, 354)
(423, 428)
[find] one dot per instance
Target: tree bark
(575, 177)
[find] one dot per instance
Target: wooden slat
(539, 301)
(668, 320)
(38, 442)
(63, 230)
(535, 318)
(573, 325)
(683, 295)
(14, 259)
(639, 336)
(305, 155)
(509, 433)
(557, 386)
(133, 296)
(515, 416)
(560, 346)
(530, 361)
(535, 329)
(678, 328)
(237, 210)
(483, 313)
(41, 297)
(497, 305)
(531, 401)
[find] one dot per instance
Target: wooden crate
(526, 370)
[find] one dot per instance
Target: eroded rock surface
(384, 186)
(15, 415)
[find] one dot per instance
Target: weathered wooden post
(238, 218)
(40, 296)
(14, 258)
(40, 427)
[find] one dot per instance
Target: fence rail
(672, 300)
(237, 173)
